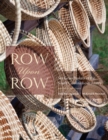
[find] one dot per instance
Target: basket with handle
(84, 121)
(39, 126)
(96, 12)
(93, 89)
(76, 21)
(30, 9)
(5, 38)
(10, 126)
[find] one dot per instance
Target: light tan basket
(5, 39)
(76, 21)
(95, 95)
(85, 68)
(81, 119)
(31, 9)
(53, 33)
(96, 12)
(10, 126)
(93, 91)
(38, 126)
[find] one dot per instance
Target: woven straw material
(48, 98)
(5, 39)
(96, 95)
(10, 126)
(96, 12)
(81, 119)
(41, 102)
(85, 68)
(93, 84)
(39, 127)
(54, 33)
(76, 21)
(31, 9)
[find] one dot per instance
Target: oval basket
(92, 81)
(85, 68)
(95, 95)
(53, 33)
(5, 38)
(96, 12)
(76, 21)
(43, 101)
(31, 9)
(10, 126)
(38, 126)
(83, 120)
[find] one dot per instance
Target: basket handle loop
(102, 29)
(16, 33)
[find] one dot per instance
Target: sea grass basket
(94, 92)
(96, 12)
(81, 119)
(38, 126)
(54, 33)
(5, 38)
(76, 21)
(10, 126)
(30, 9)
(95, 95)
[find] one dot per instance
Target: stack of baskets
(56, 63)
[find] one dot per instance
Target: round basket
(76, 21)
(31, 9)
(81, 119)
(95, 95)
(5, 38)
(28, 97)
(10, 126)
(39, 127)
(96, 12)
(53, 33)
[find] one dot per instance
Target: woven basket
(53, 33)
(5, 39)
(39, 127)
(82, 120)
(76, 21)
(96, 12)
(85, 68)
(10, 126)
(93, 84)
(96, 95)
(31, 9)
